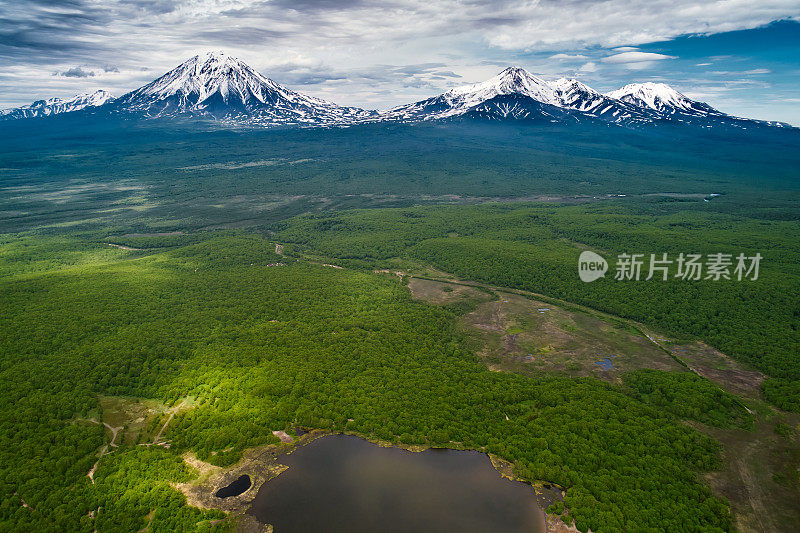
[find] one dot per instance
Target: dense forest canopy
(259, 348)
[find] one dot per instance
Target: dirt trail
(104, 451)
(123, 247)
(24, 503)
(169, 419)
(114, 431)
(94, 468)
(149, 522)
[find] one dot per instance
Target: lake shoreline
(262, 465)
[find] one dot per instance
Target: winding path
(104, 451)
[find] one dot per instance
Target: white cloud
(622, 23)
(741, 72)
(588, 67)
(635, 57)
(568, 57)
(635, 60)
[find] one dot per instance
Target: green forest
(688, 396)
(260, 348)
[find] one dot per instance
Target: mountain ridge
(55, 106)
(223, 88)
(632, 105)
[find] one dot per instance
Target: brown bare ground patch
(438, 293)
(556, 525)
(751, 460)
(398, 273)
(123, 247)
(204, 469)
(488, 317)
(283, 436)
(718, 367)
(520, 334)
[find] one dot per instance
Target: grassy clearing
(449, 295)
(517, 333)
(137, 417)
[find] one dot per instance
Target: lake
(345, 483)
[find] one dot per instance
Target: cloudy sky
(741, 56)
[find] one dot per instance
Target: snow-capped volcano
(54, 106)
(672, 105)
(513, 80)
(220, 86)
(516, 93)
(572, 93)
(460, 100)
(662, 98)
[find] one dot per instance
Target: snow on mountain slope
(576, 95)
(675, 106)
(513, 80)
(573, 94)
(217, 86)
(563, 93)
(223, 87)
(662, 98)
(54, 106)
(520, 107)
(634, 105)
(458, 101)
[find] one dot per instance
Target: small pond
(238, 486)
(345, 483)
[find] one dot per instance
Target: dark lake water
(344, 483)
(237, 486)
